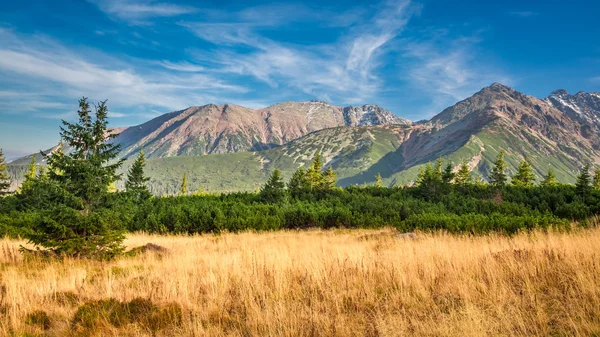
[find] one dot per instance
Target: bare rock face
(231, 128)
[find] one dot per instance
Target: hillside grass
(313, 283)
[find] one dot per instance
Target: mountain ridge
(360, 142)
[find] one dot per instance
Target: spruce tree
(463, 175)
(298, 180)
(498, 175)
(448, 174)
(524, 176)
(136, 180)
(76, 219)
(314, 174)
(596, 181)
(378, 181)
(32, 169)
(549, 179)
(438, 168)
(4, 177)
(430, 182)
(583, 181)
(274, 190)
(183, 189)
(329, 179)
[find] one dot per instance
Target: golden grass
(323, 283)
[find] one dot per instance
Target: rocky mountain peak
(559, 93)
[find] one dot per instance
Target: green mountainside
(473, 130)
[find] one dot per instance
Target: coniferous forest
(70, 205)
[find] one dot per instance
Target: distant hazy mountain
(229, 148)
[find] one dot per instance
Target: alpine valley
(227, 147)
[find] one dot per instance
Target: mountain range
(232, 148)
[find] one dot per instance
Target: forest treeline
(70, 207)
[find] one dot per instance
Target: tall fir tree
(183, 189)
(314, 174)
(4, 177)
(274, 190)
(329, 179)
(498, 175)
(524, 176)
(438, 168)
(76, 221)
(448, 174)
(298, 180)
(378, 181)
(583, 181)
(463, 175)
(137, 180)
(596, 181)
(549, 179)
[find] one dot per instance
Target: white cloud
(48, 70)
(343, 70)
(182, 66)
(448, 72)
(524, 14)
(140, 11)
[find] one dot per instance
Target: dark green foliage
(524, 176)
(136, 180)
(4, 177)
(71, 201)
(430, 181)
(274, 190)
(448, 174)
(498, 174)
(583, 186)
(298, 183)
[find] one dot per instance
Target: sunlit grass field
(312, 283)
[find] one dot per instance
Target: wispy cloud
(448, 71)
(524, 14)
(140, 11)
(48, 69)
(341, 70)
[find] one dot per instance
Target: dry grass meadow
(313, 283)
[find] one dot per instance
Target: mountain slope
(348, 149)
(495, 118)
(561, 132)
(230, 128)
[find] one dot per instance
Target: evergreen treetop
(448, 174)
(183, 189)
(596, 180)
(136, 180)
(583, 181)
(329, 179)
(75, 191)
(378, 180)
(463, 175)
(549, 179)
(524, 176)
(274, 190)
(4, 177)
(498, 175)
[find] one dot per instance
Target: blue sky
(149, 57)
